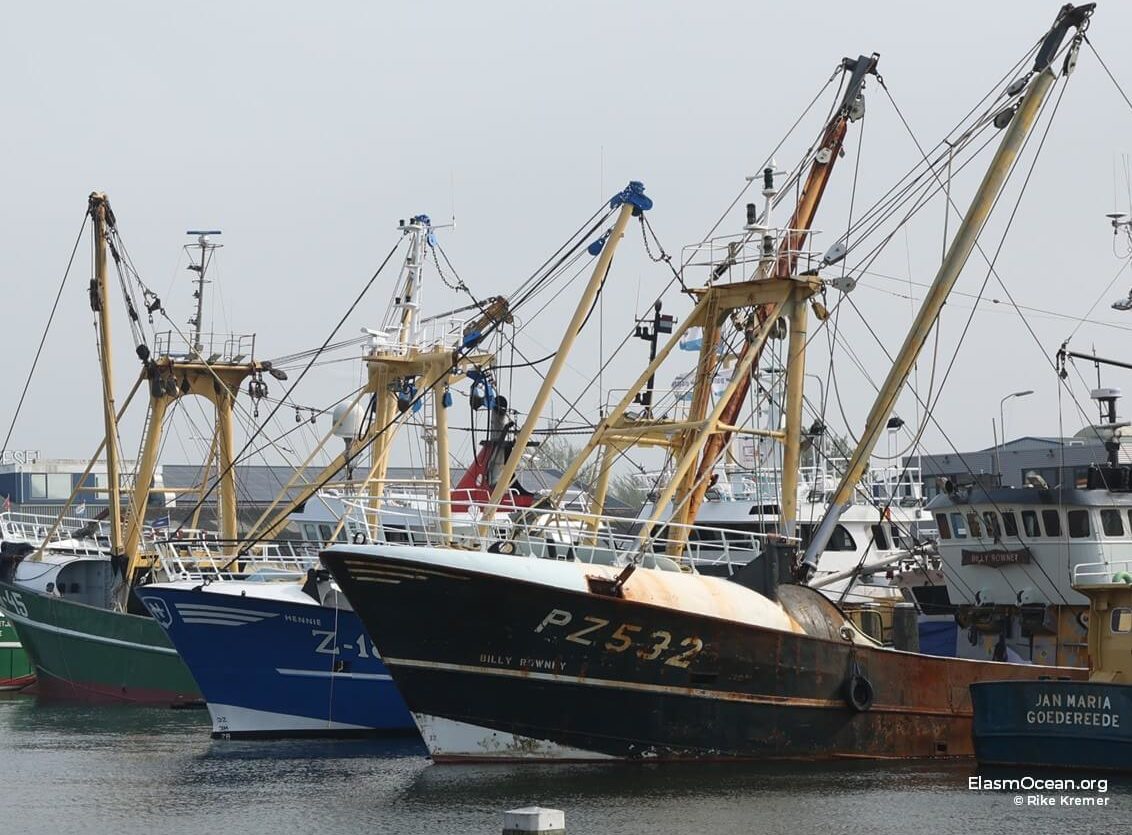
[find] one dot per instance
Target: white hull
(451, 741)
(234, 720)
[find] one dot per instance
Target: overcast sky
(304, 131)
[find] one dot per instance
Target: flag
(80, 510)
(692, 340)
(161, 522)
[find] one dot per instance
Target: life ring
(505, 547)
(1122, 577)
(359, 538)
(859, 692)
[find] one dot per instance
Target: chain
(664, 257)
(648, 249)
(458, 286)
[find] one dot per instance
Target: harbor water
(77, 770)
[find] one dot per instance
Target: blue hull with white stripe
(271, 662)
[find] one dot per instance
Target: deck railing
(553, 534)
(207, 558)
(39, 530)
(213, 348)
(1099, 573)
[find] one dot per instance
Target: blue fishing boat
(1069, 724)
(272, 661)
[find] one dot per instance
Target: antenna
(1120, 220)
(452, 195)
(206, 247)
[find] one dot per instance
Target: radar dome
(347, 420)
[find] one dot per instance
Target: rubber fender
(859, 692)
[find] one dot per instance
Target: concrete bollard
(905, 629)
(534, 819)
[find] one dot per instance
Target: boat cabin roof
(1018, 496)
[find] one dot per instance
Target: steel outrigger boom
(1033, 93)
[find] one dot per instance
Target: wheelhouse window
(1051, 519)
(871, 623)
(1078, 523)
(944, 527)
(991, 520)
(1111, 523)
(880, 539)
(1009, 523)
(899, 540)
(1030, 523)
(1121, 620)
(958, 526)
(974, 525)
(841, 540)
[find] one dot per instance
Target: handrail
(206, 559)
(1100, 573)
(749, 248)
(555, 534)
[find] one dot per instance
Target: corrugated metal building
(36, 485)
(1057, 460)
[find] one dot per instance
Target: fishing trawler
(75, 612)
(504, 654)
(1069, 724)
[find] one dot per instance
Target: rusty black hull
(501, 668)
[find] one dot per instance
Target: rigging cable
(43, 338)
(531, 286)
(1108, 72)
(365, 289)
(770, 157)
(990, 269)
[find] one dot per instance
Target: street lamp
(1002, 426)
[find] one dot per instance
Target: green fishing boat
(88, 653)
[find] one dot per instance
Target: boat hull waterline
(274, 668)
(86, 654)
(502, 668)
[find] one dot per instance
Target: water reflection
(81, 769)
(396, 747)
